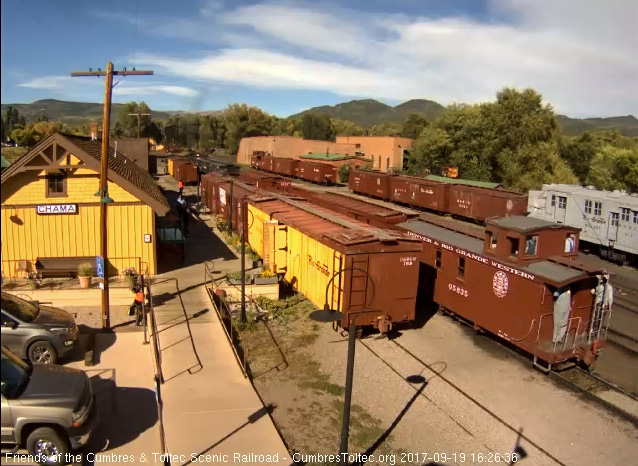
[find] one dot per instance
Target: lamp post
(331, 315)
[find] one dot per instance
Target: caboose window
(562, 202)
(553, 200)
(531, 244)
(624, 214)
(493, 239)
(513, 246)
(635, 216)
(598, 208)
(437, 260)
(588, 207)
(461, 266)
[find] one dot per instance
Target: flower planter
(131, 280)
(85, 282)
(266, 280)
(238, 281)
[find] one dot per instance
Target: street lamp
(331, 315)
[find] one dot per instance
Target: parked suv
(40, 333)
(48, 409)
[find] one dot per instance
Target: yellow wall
(27, 235)
(291, 251)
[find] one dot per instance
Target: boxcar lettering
(447, 246)
(513, 271)
(407, 261)
(471, 255)
(458, 290)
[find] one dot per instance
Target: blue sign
(99, 266)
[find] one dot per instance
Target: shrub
(344, 173)
(86, 270)
(222, 224)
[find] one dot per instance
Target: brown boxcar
(517, 283)
(420, 192)
(366, 212)
(317, 172)
(207, 189)
(370, 183)
(185, 171)
(222, 192)
(284, 166)
(260, 179)
(370, 269)
(482, 203)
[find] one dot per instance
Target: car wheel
(47, 446)
(42, 352)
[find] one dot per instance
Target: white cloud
(64, 83)
(580, 54)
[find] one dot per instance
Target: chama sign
(56, 209)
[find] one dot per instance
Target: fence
(223, 312)
(16, 268)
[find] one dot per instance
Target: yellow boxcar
(368, 275)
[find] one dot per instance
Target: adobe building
(50, 209)
(288, 147)
(383, 152)
(386, 152)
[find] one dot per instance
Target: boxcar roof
(549, 270)
(318, 224)
(526, 224)
(480, 184)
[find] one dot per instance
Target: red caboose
(522, 282)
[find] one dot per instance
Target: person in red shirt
(137, 308)
(181, 186)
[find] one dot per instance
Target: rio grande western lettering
(323, 268)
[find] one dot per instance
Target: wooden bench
(59, 267)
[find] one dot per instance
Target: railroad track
(464, 393)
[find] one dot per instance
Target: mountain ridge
(365, 112)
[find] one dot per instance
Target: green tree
(21, 121)
(243, 121)
(430, 152)
(206, 133)
(3, 136)
(317, 126)
(126, 124)
(413, 126)
(344, 173)
(284, 127)
(532, 165)
(385, 129)
(347, 128)
(25, 137)
(614, 168)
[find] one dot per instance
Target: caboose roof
(526, 224)
(549, 270)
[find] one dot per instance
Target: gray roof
(591, 193)
(549, 270)
(523, 224)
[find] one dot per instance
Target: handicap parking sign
(99, 266)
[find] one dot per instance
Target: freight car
(522, 282)
(462, 198)
(608, 220)
(373, 270)
(184, 170)
(317, 172)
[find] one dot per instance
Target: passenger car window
(19, 308)
(531, 244)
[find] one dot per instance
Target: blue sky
(285, 56)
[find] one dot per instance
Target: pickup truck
(48, 409)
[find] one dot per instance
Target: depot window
(437, 260)
(588, 205)
(56, 186)
(624, 214)
(598, 208)
(531, 245)
(461, 266)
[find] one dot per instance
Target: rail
(223, 313)
(152, 336)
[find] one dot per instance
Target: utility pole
(103, 193)
(139, 116)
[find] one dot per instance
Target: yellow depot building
(50, 212)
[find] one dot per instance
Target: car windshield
(19, 308)
(15, 374)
